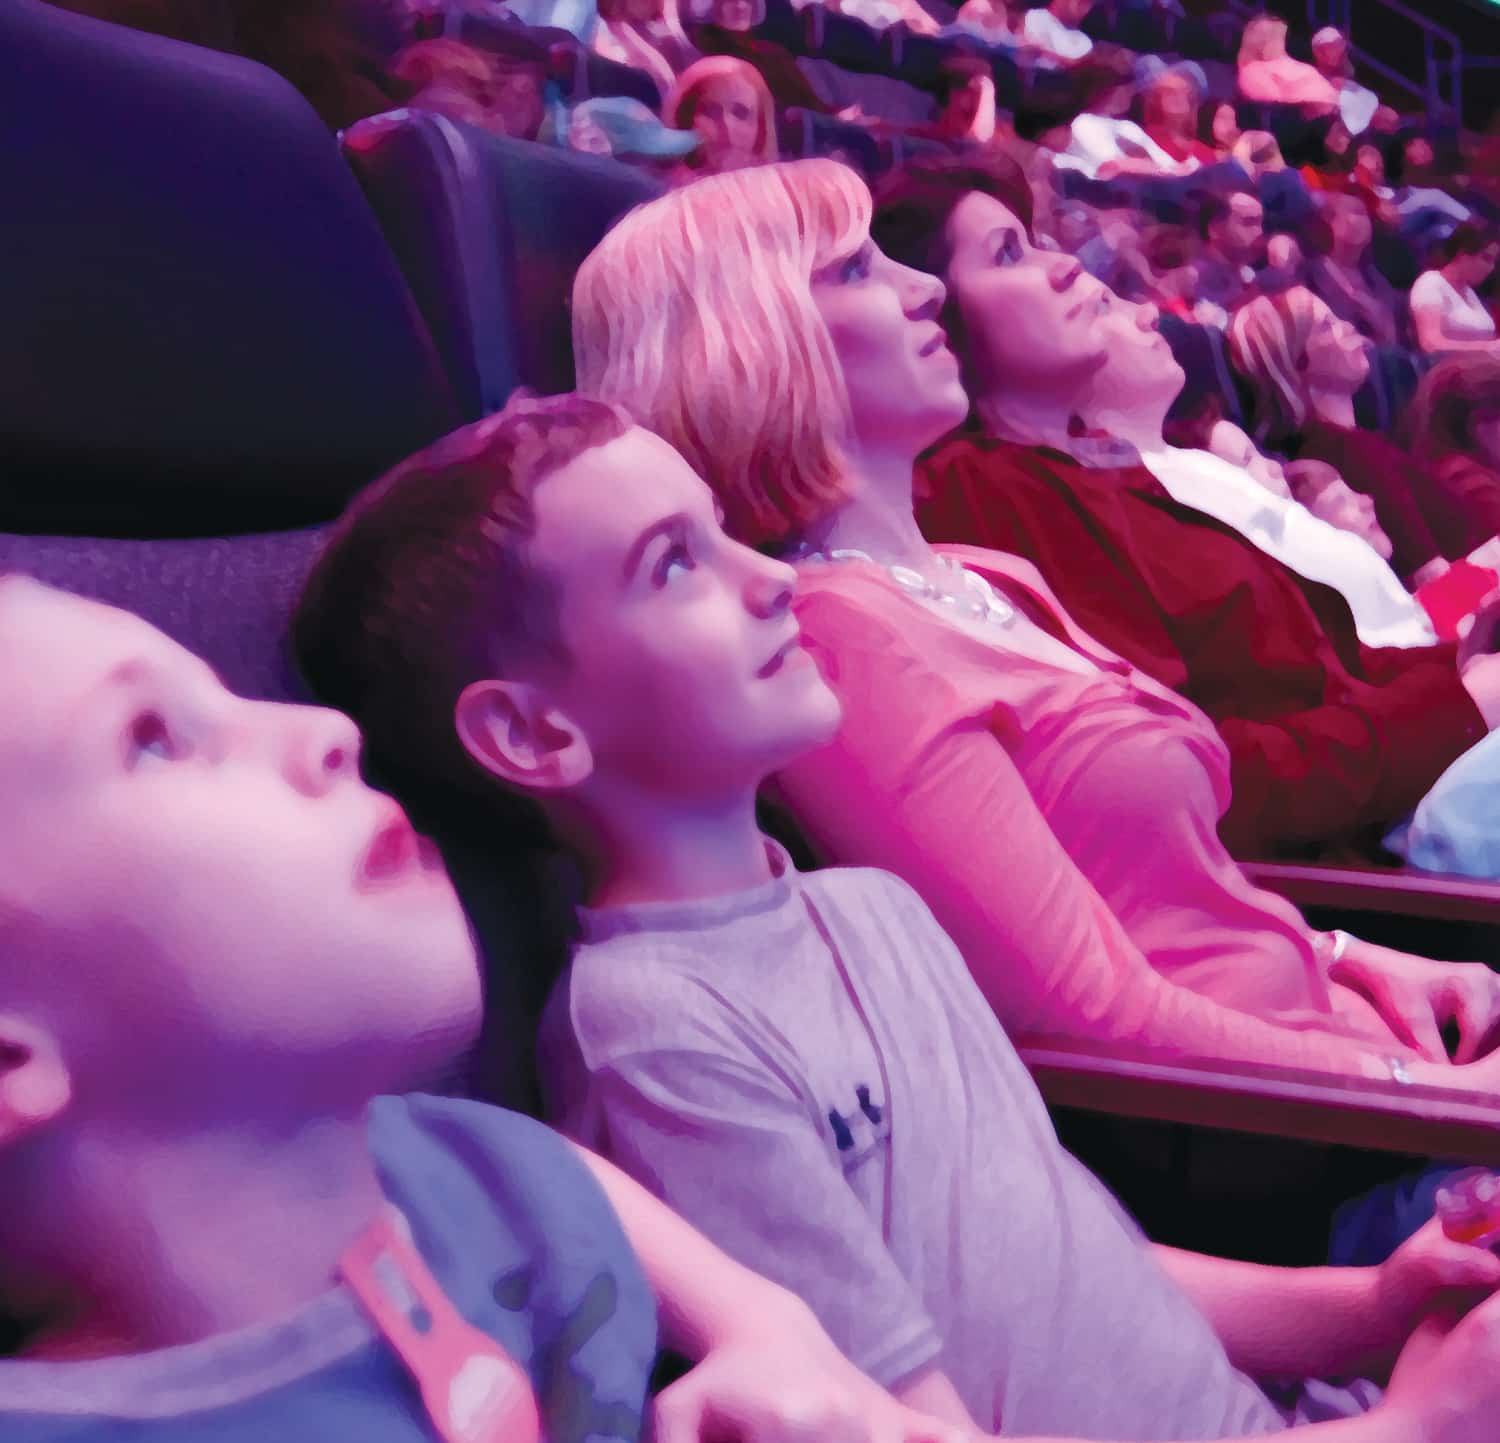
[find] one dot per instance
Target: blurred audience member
(1303, 366)
(1228, 442)
(1233, 234)
(966, 103)
(882, 14)
(1100, 142)
(502, 93)
(1446, 311)
(1319, 487)
(1169, 115)
(622, 127)
(726, 104)
(1357, 104)
(730, 30)
(1454, 427)
(646, 35)
(1054, 29)
(1343, 274)
(1269, 76)
(993, 21)
(1219, 128)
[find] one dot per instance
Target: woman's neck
(1334, 407)
(877, 518)
(1105, 409)
(1028, 420)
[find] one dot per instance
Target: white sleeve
(1431, 290)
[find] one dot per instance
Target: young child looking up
(803, 1063)
(217, 949)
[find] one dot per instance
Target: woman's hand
(782, 1380)
(1416, 997)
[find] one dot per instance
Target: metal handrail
(1436, 67)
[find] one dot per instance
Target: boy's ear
(35, 1086)
(514, 733)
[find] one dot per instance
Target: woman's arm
(1427, 321)
(914, 785)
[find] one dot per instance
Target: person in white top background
(1446, 310)
(1054, 29)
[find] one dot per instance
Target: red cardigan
(1327, 737)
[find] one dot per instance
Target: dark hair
(1459, 390)
(426, 586)
(957, 71)
(1098, 74)
(1215, 208)
(1469, 238)
(1168, 247)
(913, 206)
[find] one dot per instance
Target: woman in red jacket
(1331, 738)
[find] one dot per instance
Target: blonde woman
(1268, 75)
(727, 104)
(1304, 365)
(1051, 804)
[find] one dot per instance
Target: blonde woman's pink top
(1060, 824)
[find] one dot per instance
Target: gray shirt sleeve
(734, 1149)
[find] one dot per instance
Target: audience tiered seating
(210, 337)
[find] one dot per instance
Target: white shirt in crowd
(1357, 107)
(1464, 315)
(1044, 30)
(1385, 613)
(1097, 140)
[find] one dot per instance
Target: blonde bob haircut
(682, 101)
(696, 314)
(1268, 344)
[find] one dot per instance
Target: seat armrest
(1279, 1102)
(1369, 889)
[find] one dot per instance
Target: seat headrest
(491, 232)
(204, 328)
(227, 599)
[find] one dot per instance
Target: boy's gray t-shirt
(809, 1074)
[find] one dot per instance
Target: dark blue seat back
(226, 599)
(490, 232)
(203, 328)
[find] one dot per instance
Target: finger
(1477, 1013)
(1412, 1024)
(1473, 1012)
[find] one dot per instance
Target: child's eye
(1010, 250)
(148, 737)
(674, 562)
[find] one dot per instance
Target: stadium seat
(490, 232)
(204, 329)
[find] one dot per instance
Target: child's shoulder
(445, 1155)
(868, 884)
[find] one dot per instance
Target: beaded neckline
(975, 598)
